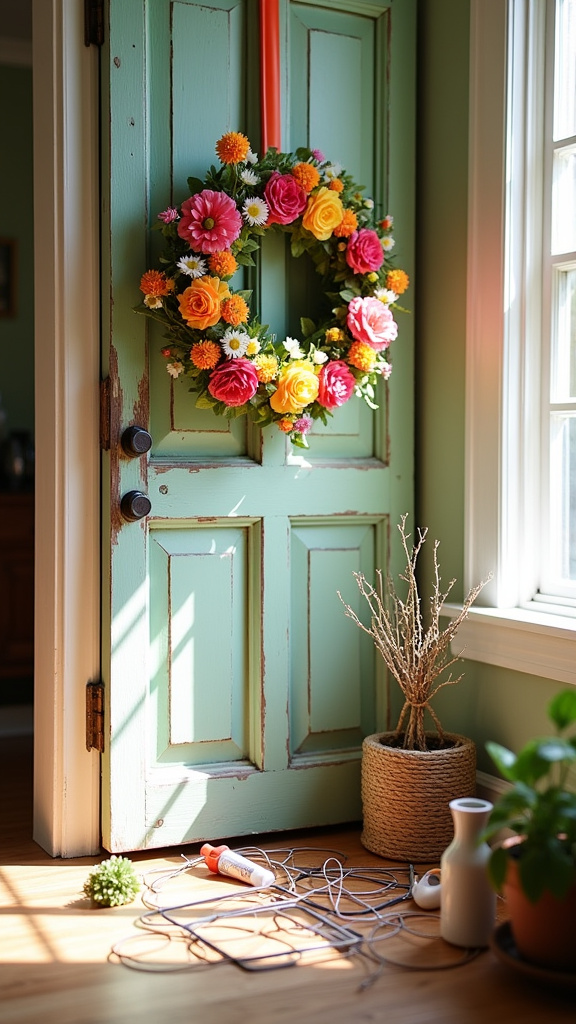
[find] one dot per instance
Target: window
(558, 576)
(521, 463)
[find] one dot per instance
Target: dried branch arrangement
(415, 654)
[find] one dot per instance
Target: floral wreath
(233, 363)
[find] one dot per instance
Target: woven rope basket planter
(405, 796)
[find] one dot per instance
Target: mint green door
(237, 693)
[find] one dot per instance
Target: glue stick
(224, 861)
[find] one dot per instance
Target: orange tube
(270, 118)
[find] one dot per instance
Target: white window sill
(531, 640)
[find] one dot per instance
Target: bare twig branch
(416, 655)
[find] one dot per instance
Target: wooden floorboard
(55, 965)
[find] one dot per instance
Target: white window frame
(502, 506)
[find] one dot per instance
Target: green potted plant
(535, 866)
(410, 774)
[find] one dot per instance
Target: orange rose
(200, 303)
(297, 388)
(323, 213)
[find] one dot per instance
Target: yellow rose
(297, 388)
(323, 213)
(200, 303)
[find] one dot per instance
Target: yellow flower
(232, 148)
(253, 347)
(266, 368)
(297, 388)
(324, 211)
(334, 334)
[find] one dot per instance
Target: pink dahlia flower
(364, 251)
(234, 382)
(336, 384)
(286, 199)
(210, 221)
(168, 215)
(370, 321)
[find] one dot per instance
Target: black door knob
(135, 505)
(135, 441)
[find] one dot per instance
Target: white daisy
(255, 210)
(319, 357)
(153, 301)
(292, 346)
(385, 295)
(332, 170)
(369, 204)
(388, 244)
(251, 157)
(174, 369)
(249, 177)
(192, 265)
(235, 342)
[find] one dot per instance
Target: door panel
(238, 693)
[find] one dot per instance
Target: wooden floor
(55, 965)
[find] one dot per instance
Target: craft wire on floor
(305, 915)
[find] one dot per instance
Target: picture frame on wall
(7, 277)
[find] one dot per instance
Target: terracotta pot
(406, 795)
(543, 931)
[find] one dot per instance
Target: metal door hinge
(105, 414)
(95, 716)
(93, 22)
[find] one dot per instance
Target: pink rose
(286, 199)
(234, 382)
(210, 221)
(369, 320)
(364, 252)
(336, 384)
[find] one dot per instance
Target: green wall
(490, 702)
(16, 221)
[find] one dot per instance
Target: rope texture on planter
(406, 793)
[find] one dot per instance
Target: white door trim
(67, 555)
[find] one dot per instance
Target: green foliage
(540, 808)
(112, 883)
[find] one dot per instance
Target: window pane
(564, 362)
(563, 497)
(565, 70)
(564, 201)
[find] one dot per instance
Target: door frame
(67, 356)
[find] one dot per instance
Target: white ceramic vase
(468, 907)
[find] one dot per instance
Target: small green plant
(112, 883)
(540, 808)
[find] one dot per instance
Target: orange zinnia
(232, 148)
(155, 282)
(397, 281)
(362, 356)
(336, 185)
(347, 225)
(285, 425)
(306, 175)
(222, 264)
(205, 354)
(235, 310)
